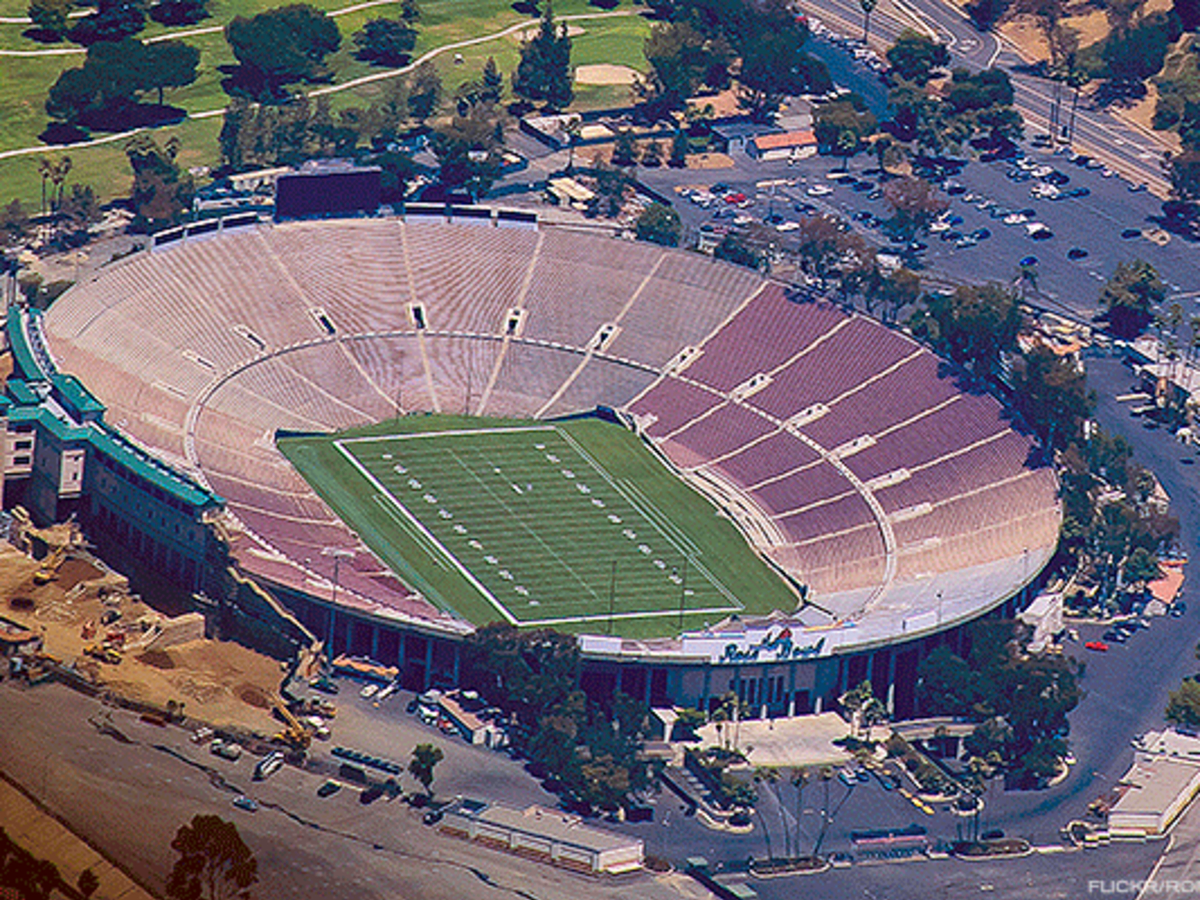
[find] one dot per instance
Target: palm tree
(573, 126)
(799, 780)
(826, 777)
(868, 6)
(45, 167)
(768, 777)
(58, 176)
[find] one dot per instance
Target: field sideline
(572, 524)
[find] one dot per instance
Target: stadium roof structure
(852, 458)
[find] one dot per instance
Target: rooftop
(787, 139)
(547, 823)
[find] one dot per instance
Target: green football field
(574, 525)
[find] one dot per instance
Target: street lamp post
(338, 554)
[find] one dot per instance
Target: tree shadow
(62, 133)
(173, 14)
(43, 35)
(1119, 94)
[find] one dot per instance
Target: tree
(820, 245)
(544, 73)
(971, 326)
(160, 192)
(49, 17)
(1051, 392)
(1141, 567)
(179, 12)
(1129, 297)
(659, 224)
(424, 91)
(105, 88)
(1183, 705)
(681, 61)
(397, 170)
(914, 203)
(652, 155)
(611, 185)
(387, 42)
(114, 20)
(214, 863)
(425, 758)
(491, 82)
(279, 47)
(624, 149)
(468, 149)
(735, 250)
(914, 57)
(774, 66)
(946, 686)
(167, 64)
(680, 146)
(14, 222)
(842, 125)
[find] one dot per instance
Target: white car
(1016, 219)
(787, 226)
(819, 190)
(369, 691)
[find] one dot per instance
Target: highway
(1135, 155)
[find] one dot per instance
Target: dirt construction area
(158, 660)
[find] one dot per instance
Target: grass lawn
(539, 523)
(25, 81)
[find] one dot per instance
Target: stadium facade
(873, 476)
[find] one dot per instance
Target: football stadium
(386, 432)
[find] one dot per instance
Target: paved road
(127, 797)
(1132, 152)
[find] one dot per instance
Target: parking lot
(1070, 222)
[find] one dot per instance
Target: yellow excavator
(50, 565)
(295, 734)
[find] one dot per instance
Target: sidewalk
(46, 838)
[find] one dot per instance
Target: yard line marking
(454, 560)
(388, 506)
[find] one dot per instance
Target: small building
(1162, 781)
(548, 835)
(735, 134)
(788, 145)
(569, 192)
(16, 638)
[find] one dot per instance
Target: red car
(1097, 645)
(737, 197)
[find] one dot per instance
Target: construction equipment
(296, 735)
(104, 653)
(50, 565)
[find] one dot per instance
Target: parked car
(226, 749)
(1077, 253)
(241, 801)
(1099, 646)
(328, 788)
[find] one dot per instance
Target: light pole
(338, 554)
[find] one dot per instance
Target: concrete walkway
(46, 838)
(800, 741)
